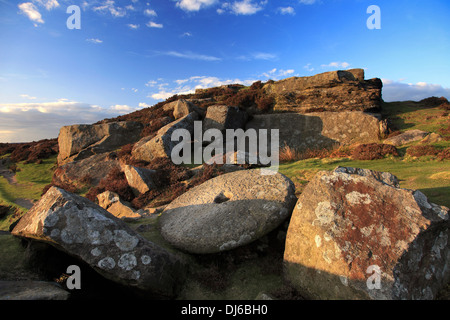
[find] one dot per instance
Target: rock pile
(329, 91)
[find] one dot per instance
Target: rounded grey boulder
(228, 211)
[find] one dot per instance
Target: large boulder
(406, 137)
(319, 130)
(330, 91)
(91, 170)
(356, 235)
(80, 141)
(160, 146)
(224, 117)
(84, 230)
(228, 211)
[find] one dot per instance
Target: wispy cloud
(109, 6)
(191, 55)
(31, 12)
(26, 96)
(308, 1)
(133, 26)
(276, 74)
(189, 85)
(150, 12)
(152, 24)
(94, 40)
(258, 56)
(242, 7)
(336, 65)
(286, 10)
(48, 4)
(308, 67)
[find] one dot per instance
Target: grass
(410, 115)
(31, 179)
(417, 174)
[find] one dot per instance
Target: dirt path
(11, 178)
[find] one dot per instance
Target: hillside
(106, 163)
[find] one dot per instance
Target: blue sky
(132, 54)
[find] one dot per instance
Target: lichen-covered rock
(330, 91)
(228, 211)
(84, 230)
(355, 236)
(80, 141)
(160, 146)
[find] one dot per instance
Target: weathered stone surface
(160, 146)
(432, 138)
(224, 117)
(139, 179)
(32, 290)
(94, 169)
(406, 137)
(183, 107)
(85, 230)
(117, 207)
(228, 211)
(385, 177)
(80, 141)
(319, 130)
(345, 225)
(329, 91)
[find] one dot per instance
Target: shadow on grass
(438, 195)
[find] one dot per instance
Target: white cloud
(152, 24)
(144, 105)
(307, 1)
(308, 67)
(264, 56)
(48, 4)
(243, 7)
(336, 65)
(109, 6)
(23, 122)
(94, 40)
(399, 91)
(31, 12)
(191, 56)
(122, 108)
(259, 56)
(286, 10)
(189, 85)
(133, 26)
(194, 5)
(26, 96)
(276, 74)
(150, 12)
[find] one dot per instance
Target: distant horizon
(62, 67)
